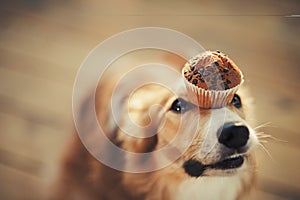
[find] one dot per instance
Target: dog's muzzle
(234, 136)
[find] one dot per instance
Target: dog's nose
(233, 135)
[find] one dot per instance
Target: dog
(218, 162)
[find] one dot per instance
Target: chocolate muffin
(211, 76)
(212, 71)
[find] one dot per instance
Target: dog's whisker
(262, 135)
(263, 141)
(267, 124)
(276, 139)
(267, 152)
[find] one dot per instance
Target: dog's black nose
(233, 135)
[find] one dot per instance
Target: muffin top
(212, 70)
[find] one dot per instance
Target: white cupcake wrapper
(210, 98)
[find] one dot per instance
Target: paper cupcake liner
(210, 98)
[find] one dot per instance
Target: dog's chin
(224, 167)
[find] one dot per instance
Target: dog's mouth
(229, 163)
(195, 169)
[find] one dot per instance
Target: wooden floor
(42, 44)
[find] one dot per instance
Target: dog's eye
(236, 101)
(181, 106)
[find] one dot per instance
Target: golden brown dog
(219, 162)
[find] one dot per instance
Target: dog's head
(215, 144)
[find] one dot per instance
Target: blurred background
(43, 43)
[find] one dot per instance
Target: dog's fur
(84, 177)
